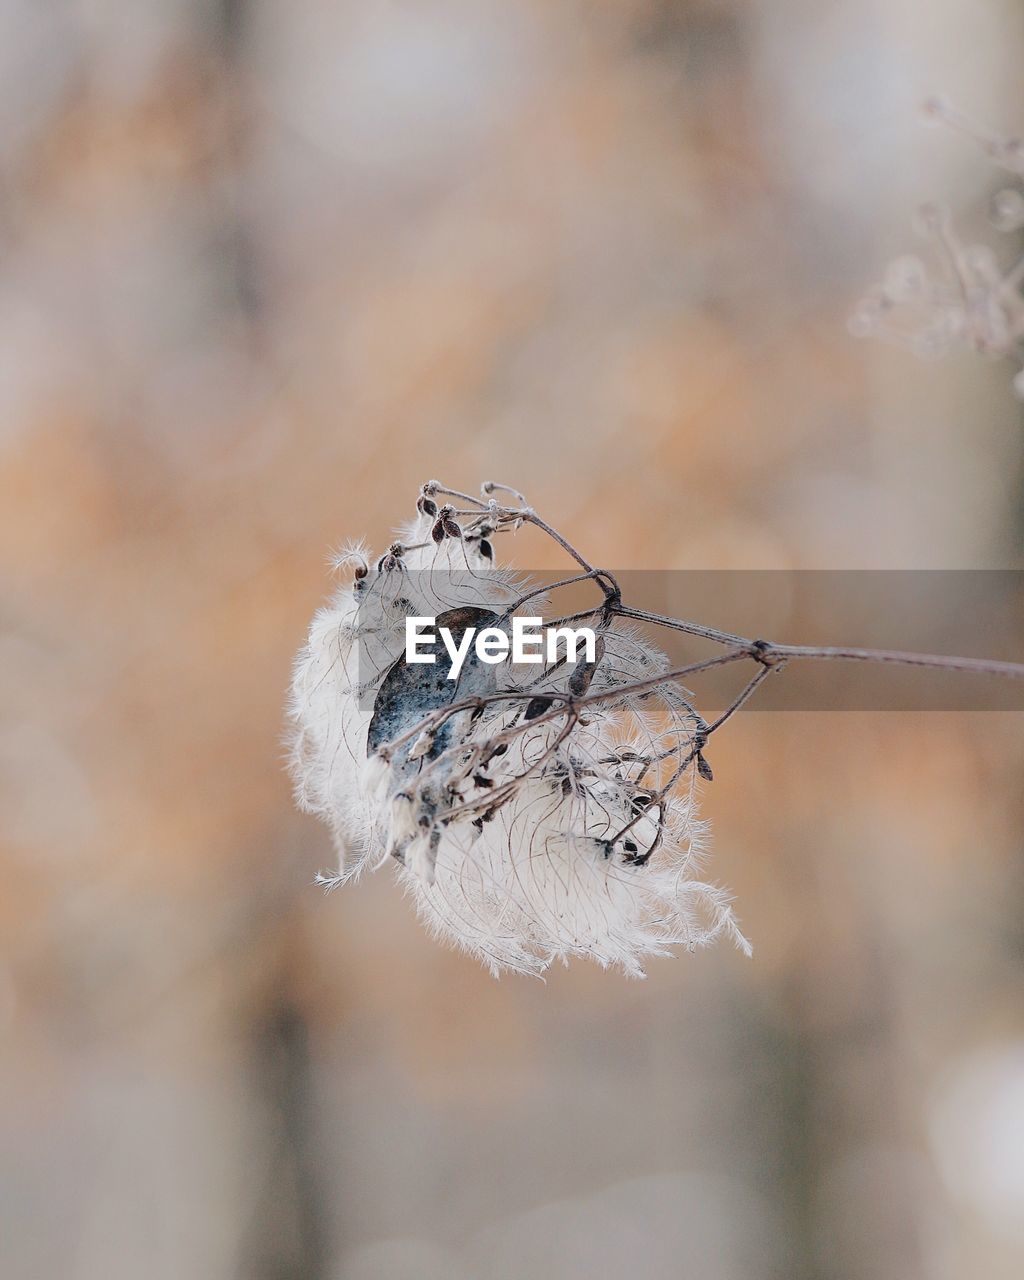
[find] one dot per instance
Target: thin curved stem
(769, 653)
(936, 661)
(677, 624)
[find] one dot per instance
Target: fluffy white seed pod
(521, 840)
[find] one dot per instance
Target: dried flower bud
(583, 674)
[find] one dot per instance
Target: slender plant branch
(766, 652)
(769, 653)
(537, 709)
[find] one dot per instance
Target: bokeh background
(266, 267)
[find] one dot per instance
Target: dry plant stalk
(532, 817)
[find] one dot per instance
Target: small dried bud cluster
(968, 300)
(533, 814)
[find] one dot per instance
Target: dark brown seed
(583, 673)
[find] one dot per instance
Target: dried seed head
(522, 820)
(967, 299)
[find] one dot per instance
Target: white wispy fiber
(528, 826)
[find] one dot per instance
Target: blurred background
(267, 267)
